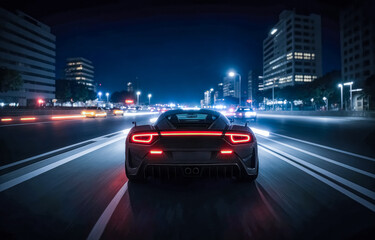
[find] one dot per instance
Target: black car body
(191, 143)
(245, 113)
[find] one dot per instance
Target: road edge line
(344, 191)
(99, 227)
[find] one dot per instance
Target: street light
(232, 74)
(107, 94)
(340, 86)
(326, 101)
(138, 93)
(100, 95)
(149, 98)
(350, 84)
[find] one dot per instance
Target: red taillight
(226, 151)
(191, 133)
(238, 137)
(145, 138)
(156, 152)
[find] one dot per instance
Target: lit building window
(289, 56)
(298, 78)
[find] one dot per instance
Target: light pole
(341, 87)
(326, 102)
(312, 102)
(107, 94)
(138, 93)
(232, 74)
(100, 95)
(149, 98)
(273, 95)
(350, 84)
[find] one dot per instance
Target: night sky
(176, 50)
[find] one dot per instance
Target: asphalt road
(316, 181)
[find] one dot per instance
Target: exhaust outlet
(187, 171)
(195, 171)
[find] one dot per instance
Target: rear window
(244, 109)
(191, 119)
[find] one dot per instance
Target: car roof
(203, 111)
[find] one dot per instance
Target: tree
(67, 90)
(10, 80)
(63, 90)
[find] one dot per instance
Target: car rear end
(191, 152)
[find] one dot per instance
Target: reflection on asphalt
(195, 209)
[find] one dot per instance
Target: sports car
(191, 143)
(245, 113)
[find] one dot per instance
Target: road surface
(66, 180)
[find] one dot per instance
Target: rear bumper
(217, 166)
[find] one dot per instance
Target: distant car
(94, 112)
(245, 113)
(191, 143)
(165, 109)
(117, 112)
(131, 109)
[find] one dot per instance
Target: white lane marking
(15, 181)
(100, 225)
(339, 179)
(325, 159)
(53, 151)
(329, 148)
(351, 195)
(260, 132)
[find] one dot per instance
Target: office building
(129, 87)
(231, 86)
(357, 32)
(250, 85)
(81, 70)
(260, 83)
(27, 46)
(292, 51)
(209, 97)
(219, 93)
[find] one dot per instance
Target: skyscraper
(250, 85)
(130, 87)
(357, 32)
(28, 47)
(81, 70)
(292, 50)
(231, 86)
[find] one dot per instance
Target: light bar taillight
(191, 133)
(145, 138)
(226, 151)
(156, 152)
(238, 137)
